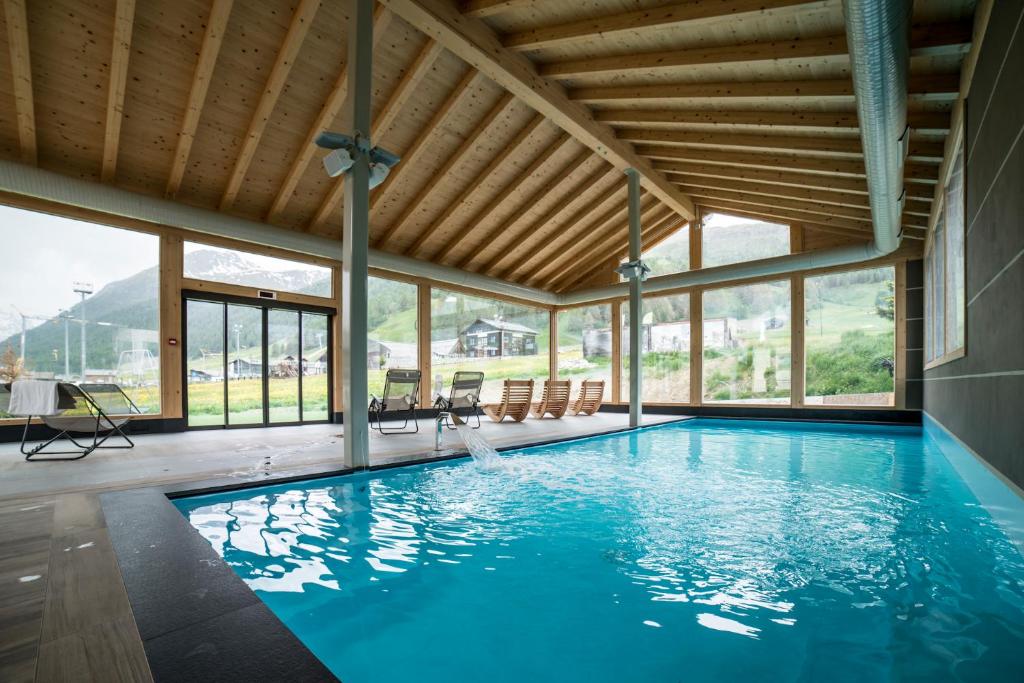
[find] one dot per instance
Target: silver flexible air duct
(877, 32)
(878, 35)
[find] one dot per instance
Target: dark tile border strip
(197, 618)
(807, 414)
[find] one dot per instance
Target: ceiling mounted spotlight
(345, 149)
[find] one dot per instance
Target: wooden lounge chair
(515, 401)
(554, 400)
(590, 397)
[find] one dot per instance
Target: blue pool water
(703, 551)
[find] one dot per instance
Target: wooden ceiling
(514, 118)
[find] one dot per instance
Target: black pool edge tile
(191, 609)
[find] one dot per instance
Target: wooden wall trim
(171, 355)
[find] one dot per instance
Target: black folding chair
(464, 398)
(95, 411)
(401, 395)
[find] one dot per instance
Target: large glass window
(500, 339)
(672, 255)
(80, 301)
(731, 239)
(747, 343)
(850, 337)
(234, 267)
(666, 349)
(585, 345)
(391, 342)
(945, 294)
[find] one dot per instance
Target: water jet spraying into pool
(483, 453)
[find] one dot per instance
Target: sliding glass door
(255, 363)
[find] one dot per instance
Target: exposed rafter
(487, 8)
(124, 19)
(913, 171)
(21, 69)
(523, 236)
(510, 188)
(570, 232)
(302, 21)
(428, 233)
(394, 104)
(659, 17)
(503, 232)
(216, 25)
(406, 87)
(474, 42)
(930, 121)
(934, 85)
(329, 113)
(441, 174)
(928, 38)
(411, 155)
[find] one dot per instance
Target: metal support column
(636, 310)
(355, 240)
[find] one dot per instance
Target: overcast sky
(44, 255)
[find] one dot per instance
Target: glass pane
(730, 239)
(315, 366)
(245, 365)
(233, 267)
(746, 343)
(283, 370)
(929, 265)
(585, 345)
(204, 356)
(954, 219)
(850, 337)
(666, 349)
(938, 309)
(500, 339)
(391, 343)
(80, 300)
(670, 256)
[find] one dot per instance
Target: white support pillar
(636, 309)
(355, 240)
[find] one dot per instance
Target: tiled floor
(64, 612)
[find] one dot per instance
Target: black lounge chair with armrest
(401, 395)
(94, 411)
(464, 398)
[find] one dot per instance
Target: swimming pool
(707, 550)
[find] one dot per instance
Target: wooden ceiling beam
(648, 238)
(599, 251)
(930, 121)
(569, 234)
(124, 20)
(524, 236)
(213, 38)
(918, 172)
(929, 39)
(428, 233)
(936, 86)
(329, 113)
(412, 153)
(406, 87)
(441, 174)
(504, 234)
(692, 13)
(709, 175)
(755, 214)
(488, 8)
(763, 141)
(302, 21)
(789, 211)
(334, 196)
(475, 223)
(850, 199)
(21, 70)
(476, 43)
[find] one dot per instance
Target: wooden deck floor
(64, 612)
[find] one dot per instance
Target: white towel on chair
(33, 397)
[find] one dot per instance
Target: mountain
(124, 317)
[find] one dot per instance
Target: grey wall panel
(980, 397)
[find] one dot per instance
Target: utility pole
(85, 289)
(67, 349)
